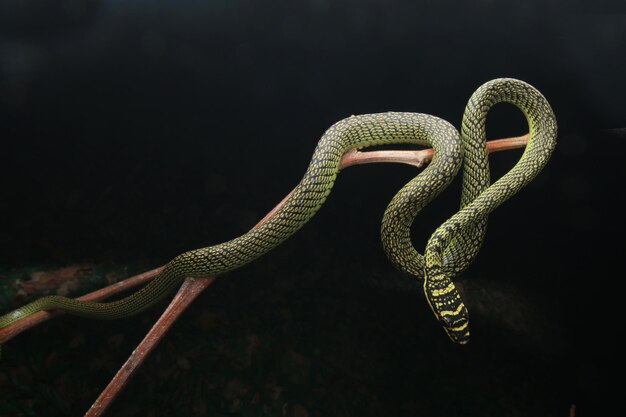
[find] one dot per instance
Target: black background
(135, 131)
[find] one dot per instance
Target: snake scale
(450, 249)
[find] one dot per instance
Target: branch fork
(193, 287)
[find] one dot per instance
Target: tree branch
(421, 157)
(192, 287)
(416, 158)
(189, 291)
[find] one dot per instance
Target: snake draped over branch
(450, 249)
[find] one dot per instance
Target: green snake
(450, 249)
(476, 204)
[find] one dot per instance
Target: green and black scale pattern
(451, 248)
(466, 228)
(353, 132)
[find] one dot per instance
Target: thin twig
(189, 291)
(421, 157)
(12, 330)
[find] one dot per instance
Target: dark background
(133, 131)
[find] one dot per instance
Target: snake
(449, 250)
(441, 293)
(355, 132)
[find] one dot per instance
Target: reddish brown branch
(416, 158)
(498, 145)
(191, 288)
(18, 327)
(272, 211)
(421, 157)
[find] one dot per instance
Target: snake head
(446, 303)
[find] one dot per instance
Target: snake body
(308, 196)
(440, 291)
(450, 249)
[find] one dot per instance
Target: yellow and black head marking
(445, 301)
